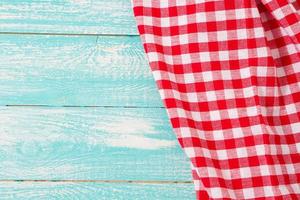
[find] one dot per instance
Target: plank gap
(78, 106)
(102, 181)
(69, 34)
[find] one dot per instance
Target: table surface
(80, 115)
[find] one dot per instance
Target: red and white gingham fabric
(228, 72)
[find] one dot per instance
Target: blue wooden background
(80, 116)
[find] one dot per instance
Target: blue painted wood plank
(88, 144)
(75, 70)
(83, 191)
(67, 16)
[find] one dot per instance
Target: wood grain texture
(67, 16)
(75, 70)
(89, 144)
(114, 142)
(83, 191)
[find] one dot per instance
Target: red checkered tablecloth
(228, 72)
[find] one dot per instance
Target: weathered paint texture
(79, 110)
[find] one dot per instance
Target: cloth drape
(228, 72)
